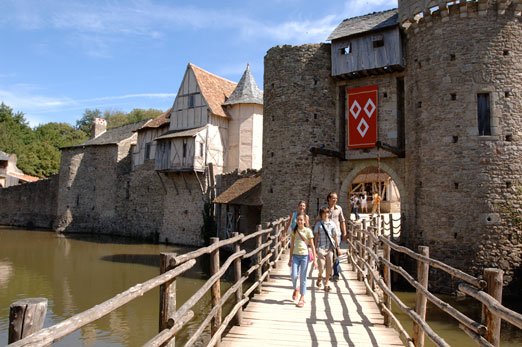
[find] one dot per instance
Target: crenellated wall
(465, 189)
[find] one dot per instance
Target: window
(147, 150)
(201, 148)
(378, 41)
(484, 114)
(184, 148)
(346, 50)
(191, 101)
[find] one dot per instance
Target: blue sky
(60, 57)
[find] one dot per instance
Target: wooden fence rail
(270, 243)
(369, 252)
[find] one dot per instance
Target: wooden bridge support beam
(494, 278)
(387, 280)
(237, 278)
(167, 296)
(216, 288)
(26, 317)
(423, 269)
(259, 257)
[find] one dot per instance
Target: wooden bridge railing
(369, 253)
(25, 325)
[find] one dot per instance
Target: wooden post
(423, 269)
(167, 296)
(237, 278)
(259, 256)
(391, 225)
(387, 280)
(494, 278)
(26, 317)
(216, 288)
(371, 263)
(267, 250)
(275, 243)
(360, 238)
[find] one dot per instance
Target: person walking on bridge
(325, 236)
(302, 251)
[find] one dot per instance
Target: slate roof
(370, 22)
(214, 89)
(247, 91)
(113, 136)
(157, 122)
(244, 191)
(181, 133)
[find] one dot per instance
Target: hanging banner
(361, 117)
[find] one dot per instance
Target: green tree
(85, 123)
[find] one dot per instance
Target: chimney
(99, 126)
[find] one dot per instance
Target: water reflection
(75, 274)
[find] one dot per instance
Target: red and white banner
(361, 117)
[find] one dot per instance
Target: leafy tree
(85, 123)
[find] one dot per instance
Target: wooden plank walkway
(345, 316)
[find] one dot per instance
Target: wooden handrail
(493, 305)
(49, 335)
(362, 245)
(436, 264)
(177, 265)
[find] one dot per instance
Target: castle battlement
(415, 14)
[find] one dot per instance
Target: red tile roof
(214, 89)
(23, 177)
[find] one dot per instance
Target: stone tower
(463, 119)
(245, 133)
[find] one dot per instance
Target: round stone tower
(463, 86)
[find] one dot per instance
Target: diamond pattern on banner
(355, 110)
(363, 127)
(369, 108)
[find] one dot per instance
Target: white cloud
(40, 109)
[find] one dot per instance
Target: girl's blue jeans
(299, 269)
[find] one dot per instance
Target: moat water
(77, 273)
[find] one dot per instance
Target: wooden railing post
(267, 250)
(423, 269)
(167, 296)
(387, 280)
(371, 263)
(26, 317)
(216, 288)
(259, 256)
(391, 225)
(237, 278)
(276, 243)
(360, 248)
(494, 278)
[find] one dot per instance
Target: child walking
(301, 239)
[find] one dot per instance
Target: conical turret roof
(246, 92)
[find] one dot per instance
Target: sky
(61, 57)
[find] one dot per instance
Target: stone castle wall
(299, 113)
(464, 190)
(30, 205)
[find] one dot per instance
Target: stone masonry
(461, 193)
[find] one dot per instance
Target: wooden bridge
(345, 316)
(357, 312)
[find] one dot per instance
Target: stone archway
(347, 180)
